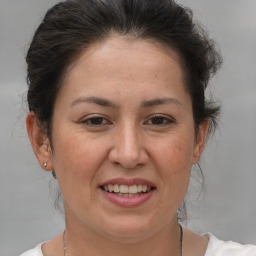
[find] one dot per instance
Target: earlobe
(200, 140)
(39, 142)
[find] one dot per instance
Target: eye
(96, 121)
(159, 120)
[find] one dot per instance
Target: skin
(125, 139)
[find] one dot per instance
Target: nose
(128, 150)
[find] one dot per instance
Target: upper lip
(128, 182)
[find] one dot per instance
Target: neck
(164, 242)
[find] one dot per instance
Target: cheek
(175, 155)
(174, 164)
(76, 156)
(77, 161)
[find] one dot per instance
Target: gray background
(227, 207)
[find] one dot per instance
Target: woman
(118, 113)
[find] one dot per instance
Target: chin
(129, 230)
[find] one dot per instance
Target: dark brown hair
(73, 25)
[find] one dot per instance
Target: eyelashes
(157, 120)
(97, 121)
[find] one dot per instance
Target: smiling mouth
(127, 191)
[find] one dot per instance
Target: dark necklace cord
(180, 247)
(181, 239)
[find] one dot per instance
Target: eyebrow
(160, 101)
(106, 103)
(99, 101)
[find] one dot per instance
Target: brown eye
(159, 121)
(96, 121)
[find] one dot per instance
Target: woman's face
(123, 121)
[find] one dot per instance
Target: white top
(215, 247)
(218, 247)
(37, 251)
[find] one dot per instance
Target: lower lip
(127, 201)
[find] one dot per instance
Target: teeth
(127, 195)
(133, 189)
(125, 190)
(116, 188)
(110, 188)
(144, 188)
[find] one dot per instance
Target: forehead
(119, 64)
(126, 54)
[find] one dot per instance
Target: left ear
(200, 140)
(39, 142)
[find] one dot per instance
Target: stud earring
(45, 164)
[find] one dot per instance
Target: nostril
(128, 160)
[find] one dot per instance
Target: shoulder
(37, 251)
(218, 247)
